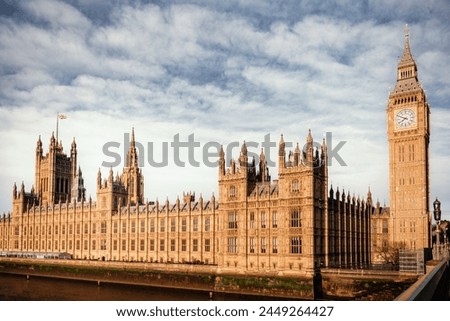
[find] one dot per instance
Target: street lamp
(437, 218)
(445, 239)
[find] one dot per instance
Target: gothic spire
(296, 155)
(262, 157)
(309, 138)
(52, 141)
(369, 197)
(309, 157)
(243, 157)
(263, 170)
(15, 191)
(132, 157)
(407, 79)
(324, 149)
(74, 146)
(221, 161)
(110, 177)
(39, 146)
(39, 142)
(99, 178)
(244, 149)
(281, 153)
(281, 146)
(133, 143)
(407, 58)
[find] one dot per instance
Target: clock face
(405, 118)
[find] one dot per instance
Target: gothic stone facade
(260, 226)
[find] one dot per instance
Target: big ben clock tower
(408, 117)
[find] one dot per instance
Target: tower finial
(132, 136)
(281, 146)
(309, 138)
(244, 149)
(407, 58)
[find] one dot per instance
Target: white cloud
(56, 13)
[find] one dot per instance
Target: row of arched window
(295, 187)
(405, 100)
(406, 73)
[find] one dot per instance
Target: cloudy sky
(220, 72)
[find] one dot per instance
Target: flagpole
(57, 121)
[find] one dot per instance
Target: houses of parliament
(257, 225)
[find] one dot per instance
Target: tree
(390, 253)
(444, 232)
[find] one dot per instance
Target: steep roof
(407, 58)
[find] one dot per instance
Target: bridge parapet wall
(434, 285)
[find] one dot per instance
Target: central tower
(408, 117)
(132, 177)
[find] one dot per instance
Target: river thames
(19, 288)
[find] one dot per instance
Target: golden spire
(407, 58)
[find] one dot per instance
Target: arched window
(233, 191)
(295, 219)
(295, 185)
(296, 245)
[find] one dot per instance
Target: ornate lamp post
(437, 218)
(445, 241)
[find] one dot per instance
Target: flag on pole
(58, 117)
